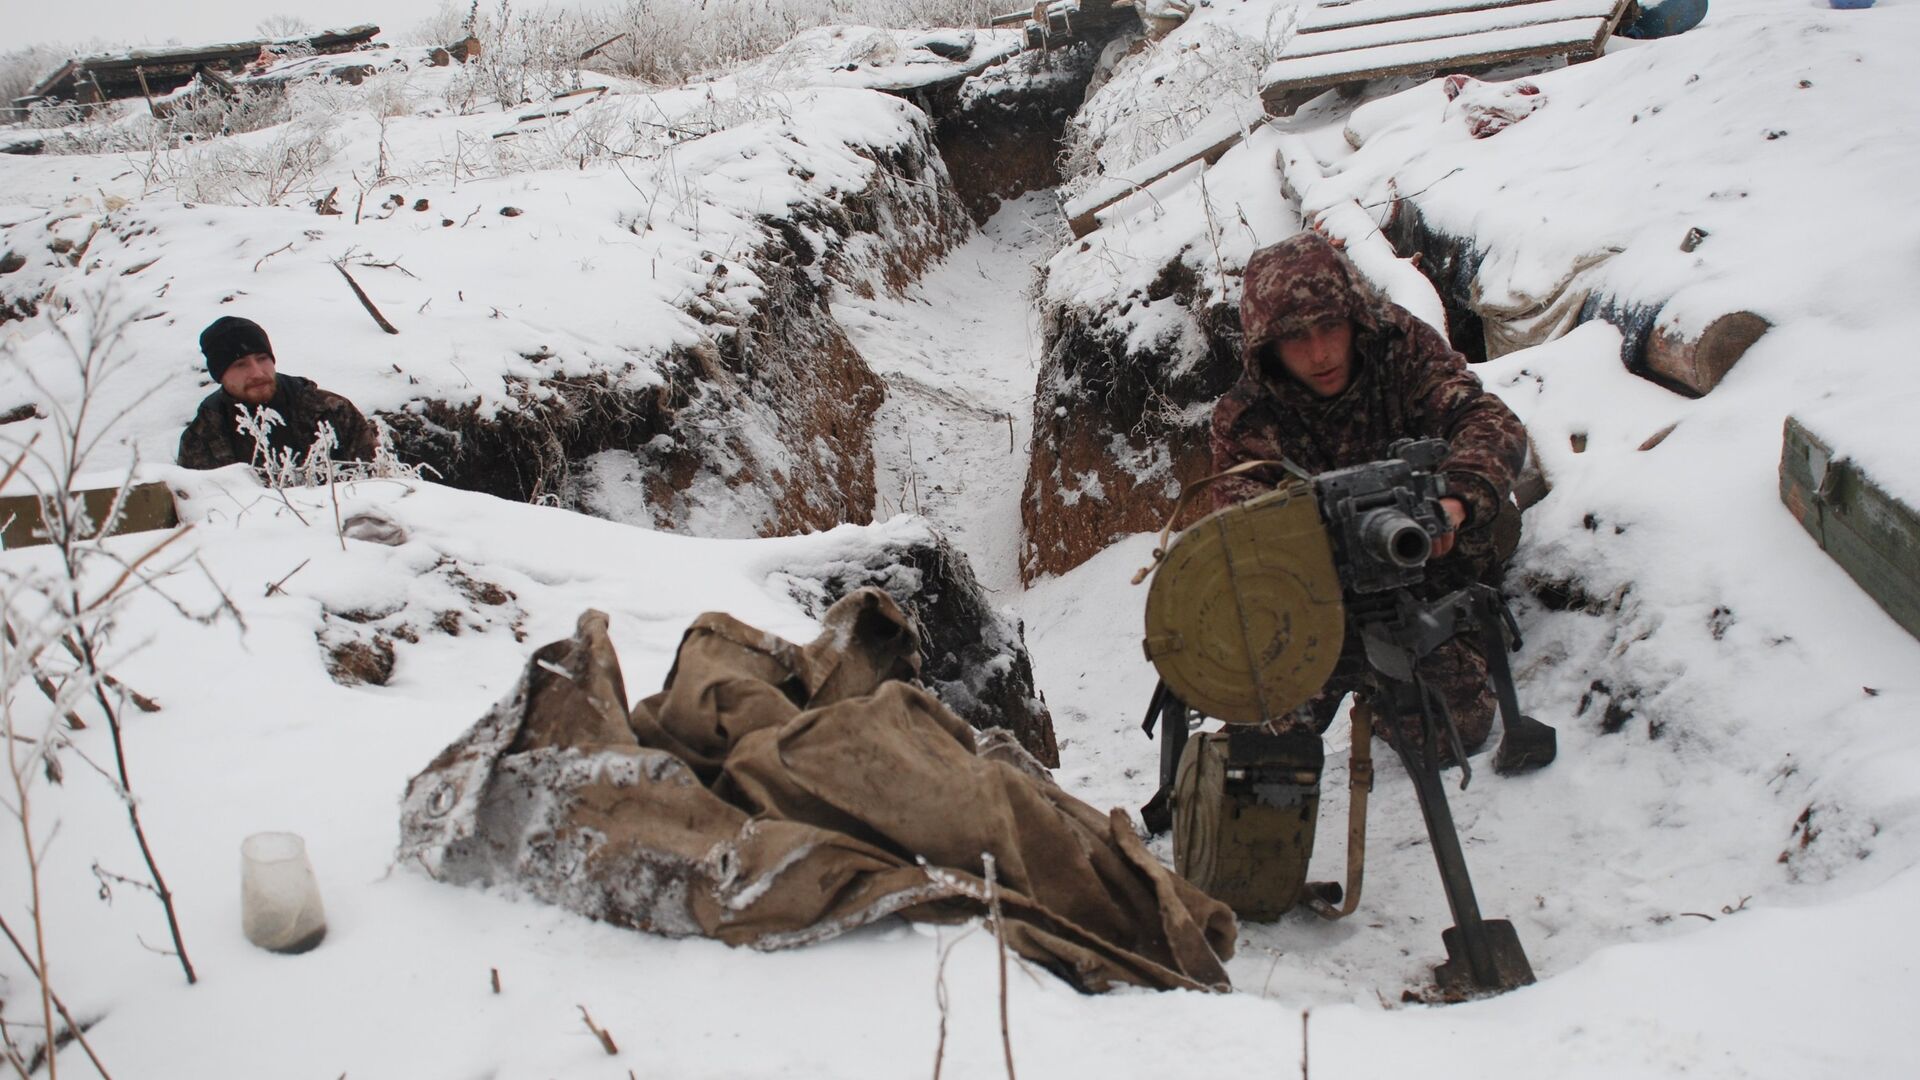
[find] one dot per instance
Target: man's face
(1321, 358)
(250, 378)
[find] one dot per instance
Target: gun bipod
(1482, 954)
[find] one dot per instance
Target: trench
(959, 353)
(966, 427)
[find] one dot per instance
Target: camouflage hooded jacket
(1406, 383)
(213, 437)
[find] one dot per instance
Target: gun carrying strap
(1359, 784)
(1188, 491)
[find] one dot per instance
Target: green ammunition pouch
(1244, 807)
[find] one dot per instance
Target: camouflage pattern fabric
(1406, 383)
(1457, 671)
(213, 437)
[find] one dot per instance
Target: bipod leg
(1171, 714)
(1482, 954)
(1526, 744)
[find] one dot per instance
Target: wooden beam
(1435, 27)
(1208, 143)
(113, 74)
(1372, 12)
(1286, 79)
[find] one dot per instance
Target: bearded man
(240, 359)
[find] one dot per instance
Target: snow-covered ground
(959, 353)
(1721, 886)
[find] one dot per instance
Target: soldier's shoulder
(321, 400)
(1417, 343)
(1234, 405)
(212, 406)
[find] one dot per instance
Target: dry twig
(275, 586)
(942, 1002)
(606, 1040)
(999, 936)
(41, 680)
(1304, 1013)
(140, 701)
(285, 247)
(365, 300)
(73, 1026)
(92, 663)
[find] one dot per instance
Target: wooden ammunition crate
(148, 506)
(1872, 534)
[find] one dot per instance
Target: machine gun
(1248, 614)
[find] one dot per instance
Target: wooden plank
(175, 65)
(1577, 39)
(1208, 143)
(1456, 24)
(1874, 536)
(1363, 12)
(148, 506)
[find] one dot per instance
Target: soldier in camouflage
(240, 359)
(1334, 374)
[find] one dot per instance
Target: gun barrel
(1392, 536)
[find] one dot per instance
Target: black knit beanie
(228, 339)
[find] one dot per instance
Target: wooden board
(1208, 143)
(1287, 79)
(148, 506)
(117, 75)
(1327, 17)
(1874, 536)
(1456, 24)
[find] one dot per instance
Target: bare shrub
(205, 114)
(283, 25)
(1159, 96)
(672, 41)
(453, 20)
(62, 632)
(86, 129)
(263, 171)
(21, 70)
(666, 42)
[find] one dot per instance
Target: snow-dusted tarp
(775, 795)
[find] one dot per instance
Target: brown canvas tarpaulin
(774, 795)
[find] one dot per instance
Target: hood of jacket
(1289, 288)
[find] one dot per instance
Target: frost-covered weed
(21, 70)
(665, 42)
(205, 114)
(252, 172)
(1157, 97)
(79, 129)
(282, 468)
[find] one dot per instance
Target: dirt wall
(1117, 430)
(1000, 131)
(772, 411)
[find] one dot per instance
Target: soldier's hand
(1456, 516)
